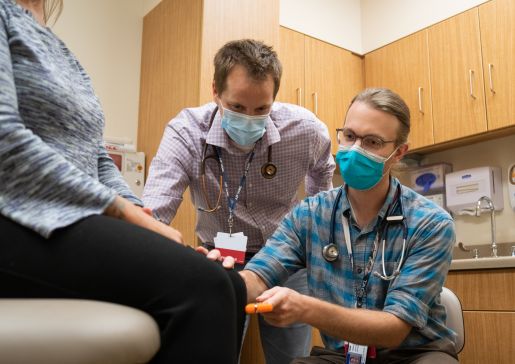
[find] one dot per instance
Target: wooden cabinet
(319, 76)
(180, 39)
(490, 337)
(403, 67)
(497, 19)
(488, 301)
(333, 77)
(457, 77)
(463, 70)
(291, 52)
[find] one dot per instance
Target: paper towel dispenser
(464, 188)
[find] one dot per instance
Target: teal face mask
(243, 129)
(360, 169)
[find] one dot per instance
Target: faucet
(490, 206)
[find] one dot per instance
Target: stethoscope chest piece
(268, 170)
(330, 252)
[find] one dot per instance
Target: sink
(465, 260)
(483, 263)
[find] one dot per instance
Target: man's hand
(255, 285)
(215, 255)
(287, 303)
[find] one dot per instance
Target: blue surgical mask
(359, 168)
(243, 129)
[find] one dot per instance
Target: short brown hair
(258, 59)
(386, 100)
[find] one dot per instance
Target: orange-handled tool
(258, 308)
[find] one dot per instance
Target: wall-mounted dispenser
(429, 181)
(464, 188)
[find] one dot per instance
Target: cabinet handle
(315, 101)
(471, 83)
(490, 66)
(420, 100)
(299, 96)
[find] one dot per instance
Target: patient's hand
(123, 209)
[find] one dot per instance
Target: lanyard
(359, 291)
(231, 201)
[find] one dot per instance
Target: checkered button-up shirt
(301, 150)
(413, 296)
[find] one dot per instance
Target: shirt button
(250, 204)
(360, 270)
(250, 185)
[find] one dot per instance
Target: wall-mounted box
(464, 188)
(429, 180)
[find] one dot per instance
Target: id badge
(234, 245)
(356, 354)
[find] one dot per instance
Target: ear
(215, 93)
(401, 152)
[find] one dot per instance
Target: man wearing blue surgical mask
(243, 157)
(377, 252)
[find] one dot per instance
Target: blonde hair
(52, 9)
(388, 101)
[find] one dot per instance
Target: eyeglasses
(347, 138)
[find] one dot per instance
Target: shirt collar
(389, 197)
(346, 207)
(218, 137)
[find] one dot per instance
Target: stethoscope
(331, 252)
(268, 169)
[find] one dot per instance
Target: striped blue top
(54, 169)
(413, 296)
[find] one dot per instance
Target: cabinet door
(169, 82)
(333, 77)
(489, 337)
(457, 77)
(498, 45)
(403, 67)
(484, 289)
(291, 54)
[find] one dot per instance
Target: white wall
(149, 5)
(386, 21)
(106, 38)
(364, 25)
(334, 21)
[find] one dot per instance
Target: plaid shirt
(301, 149)
(413, 296)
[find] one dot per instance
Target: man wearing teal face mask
(377, 252)
(243, 157)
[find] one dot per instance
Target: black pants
(199, 306)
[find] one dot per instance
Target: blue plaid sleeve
(284, 252)
(411, 295)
